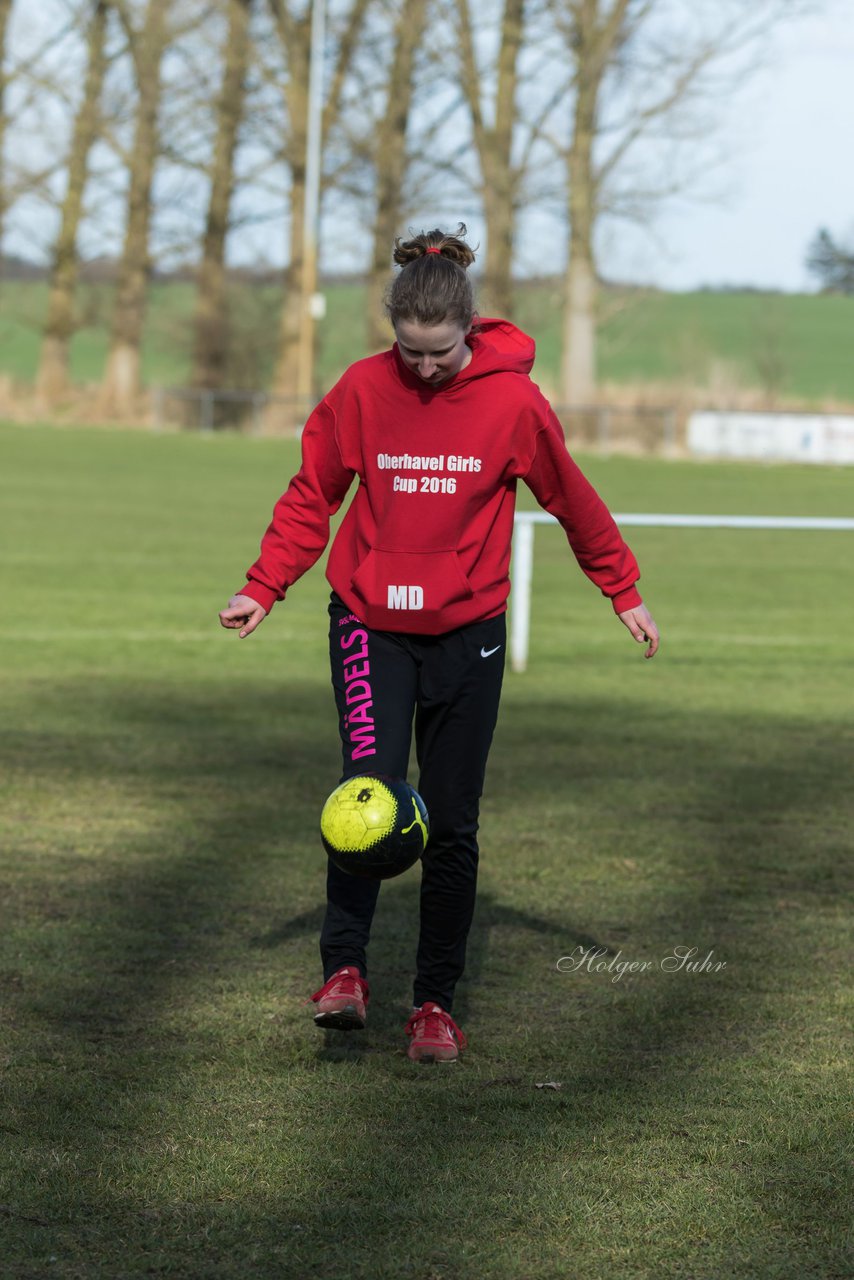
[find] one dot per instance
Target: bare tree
(641, 69)
(493, 139)
(5, 10)
(147, 45)
(29, 94)
(295, 35)
(211, 324)
(389, 160)
(52, 380)
(294, 30)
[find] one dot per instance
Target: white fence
(522, 568)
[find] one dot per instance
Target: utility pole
(312, 304)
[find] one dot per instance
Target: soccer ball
(374, 826)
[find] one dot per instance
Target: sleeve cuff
(628, 599)
(263, 595)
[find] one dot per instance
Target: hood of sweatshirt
(497, 346)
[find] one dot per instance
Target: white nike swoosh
(486, 653)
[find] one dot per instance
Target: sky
(789, 171)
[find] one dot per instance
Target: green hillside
(780, 345)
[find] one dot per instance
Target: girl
(438, 430)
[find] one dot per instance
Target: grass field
(777, 344)
(169, 1108)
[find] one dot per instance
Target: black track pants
(452, 685)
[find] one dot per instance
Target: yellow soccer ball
(374, 826)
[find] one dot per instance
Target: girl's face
(434, 351)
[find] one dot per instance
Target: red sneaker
(435, 1035)
(341, 1001)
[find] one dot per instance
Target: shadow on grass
(161, 984)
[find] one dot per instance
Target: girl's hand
(640, 622)
(243, 612)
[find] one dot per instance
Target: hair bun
(451, 247)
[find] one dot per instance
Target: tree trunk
(121, 383)
(501, 179)
(390, 164)
(5, 10)
(494, 145)
(496, 290)
(295, 34)
(52, 379)
(286, 373)
(597, 32)
(578, 366)
(211, 318)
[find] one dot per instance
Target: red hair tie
(432, 249)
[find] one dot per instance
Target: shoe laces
(433, 1021)
(345, 982)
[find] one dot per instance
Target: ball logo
(405, 597)
(417, 821)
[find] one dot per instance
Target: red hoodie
(425, 544)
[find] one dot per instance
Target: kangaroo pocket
(411, 590)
